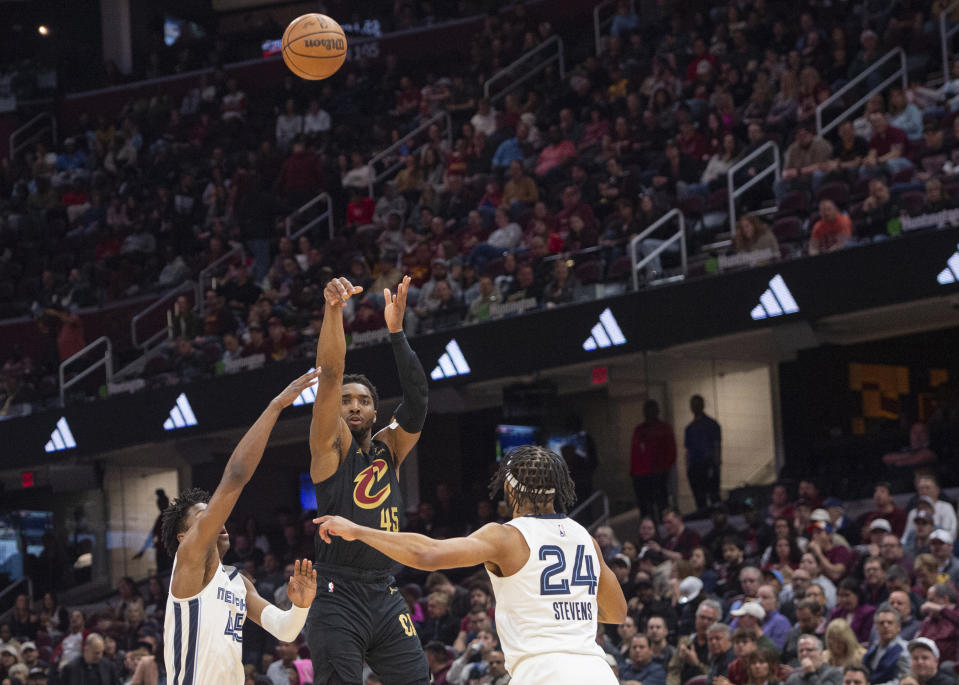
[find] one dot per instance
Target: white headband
(511, 479)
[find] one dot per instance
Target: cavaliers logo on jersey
(366, 481)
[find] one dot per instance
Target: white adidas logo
(181, 416)
(61, 438)
(776, 301)
(605, 334)
(452, 363)
(951, 273)
(307, 395)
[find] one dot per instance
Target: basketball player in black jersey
(358, 613)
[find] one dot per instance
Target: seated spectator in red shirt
(887, 147)
(555, 155)
(941, 620)
(359, 210)
(680, 541)
(572, 204)
(836, 561)
(257, 344)
(832, 231)
(692, 143)
(700, 54)
(885, 509)
(281, 342)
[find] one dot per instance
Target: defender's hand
(396, 305)
(293, 390)
(339, 290)
(336, 526)
(302, 587)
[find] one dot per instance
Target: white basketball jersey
(549, 606)
(203, 634)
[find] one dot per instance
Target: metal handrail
(186, 286)
(944, 36)
(733, 192)
(380, 156)
(204, 276)
(680, 236)
(604, 517)
(15, 146)
(106, 361)
(600, 24)
(325, 216)
(509, 70)
(902, 72)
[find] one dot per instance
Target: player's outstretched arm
(329, 434)
(609, 596)
(410, 414)
(284, 625)
(196, 542)
(492, 543)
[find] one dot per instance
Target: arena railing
(603, 519)
(901, 73)
(600, 25)
(734, 192)
(105, 361)
(678, 237)
(946, 33)
(203, 280)
(35, 130)
(395, 165)
(326, 216)
(511, 70)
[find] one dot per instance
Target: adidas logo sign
(61, 438)
(308, 394)
(605, 334)
(951, 273)
(452, 363)
(776, 301)
(181, 416)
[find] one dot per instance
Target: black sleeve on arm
(411, 412)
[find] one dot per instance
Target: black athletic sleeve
(411, 412)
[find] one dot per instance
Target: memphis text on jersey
(234, 623)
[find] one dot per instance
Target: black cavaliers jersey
(366, 490)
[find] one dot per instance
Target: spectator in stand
(832, 231)
(438, 659)
(562, 287)
(849, 606)
(941, 547)
(485, 118)
(887, 148)
(944, 513)
(554, 157)
(520, 191)
(754, 235)
(905, 115)
(703, 443)
(904, 462)
(680, 540)
(842, 647)
(805, 162)
(878, 212)
(640, 668)
(23, 622)
(289, 125)
(692, 653)
(888, 656)
(813, 670)
(652, 457)
(440, 625)
(809, 621)
(935, 200)
(90, 667)
(515, 149)
(874, 589)
(775, 625)
(925, 663)
(721, 653)
(941, 620)
(886, 509)
(301, 176)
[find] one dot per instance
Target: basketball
(314, 46)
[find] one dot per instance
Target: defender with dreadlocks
(543, 567)
(208, 602)
(359, 614)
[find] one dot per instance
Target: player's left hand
(336, 526)
(396, 305)
(302, 587)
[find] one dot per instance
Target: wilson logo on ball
(327, 43)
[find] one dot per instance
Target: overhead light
(43, 30)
